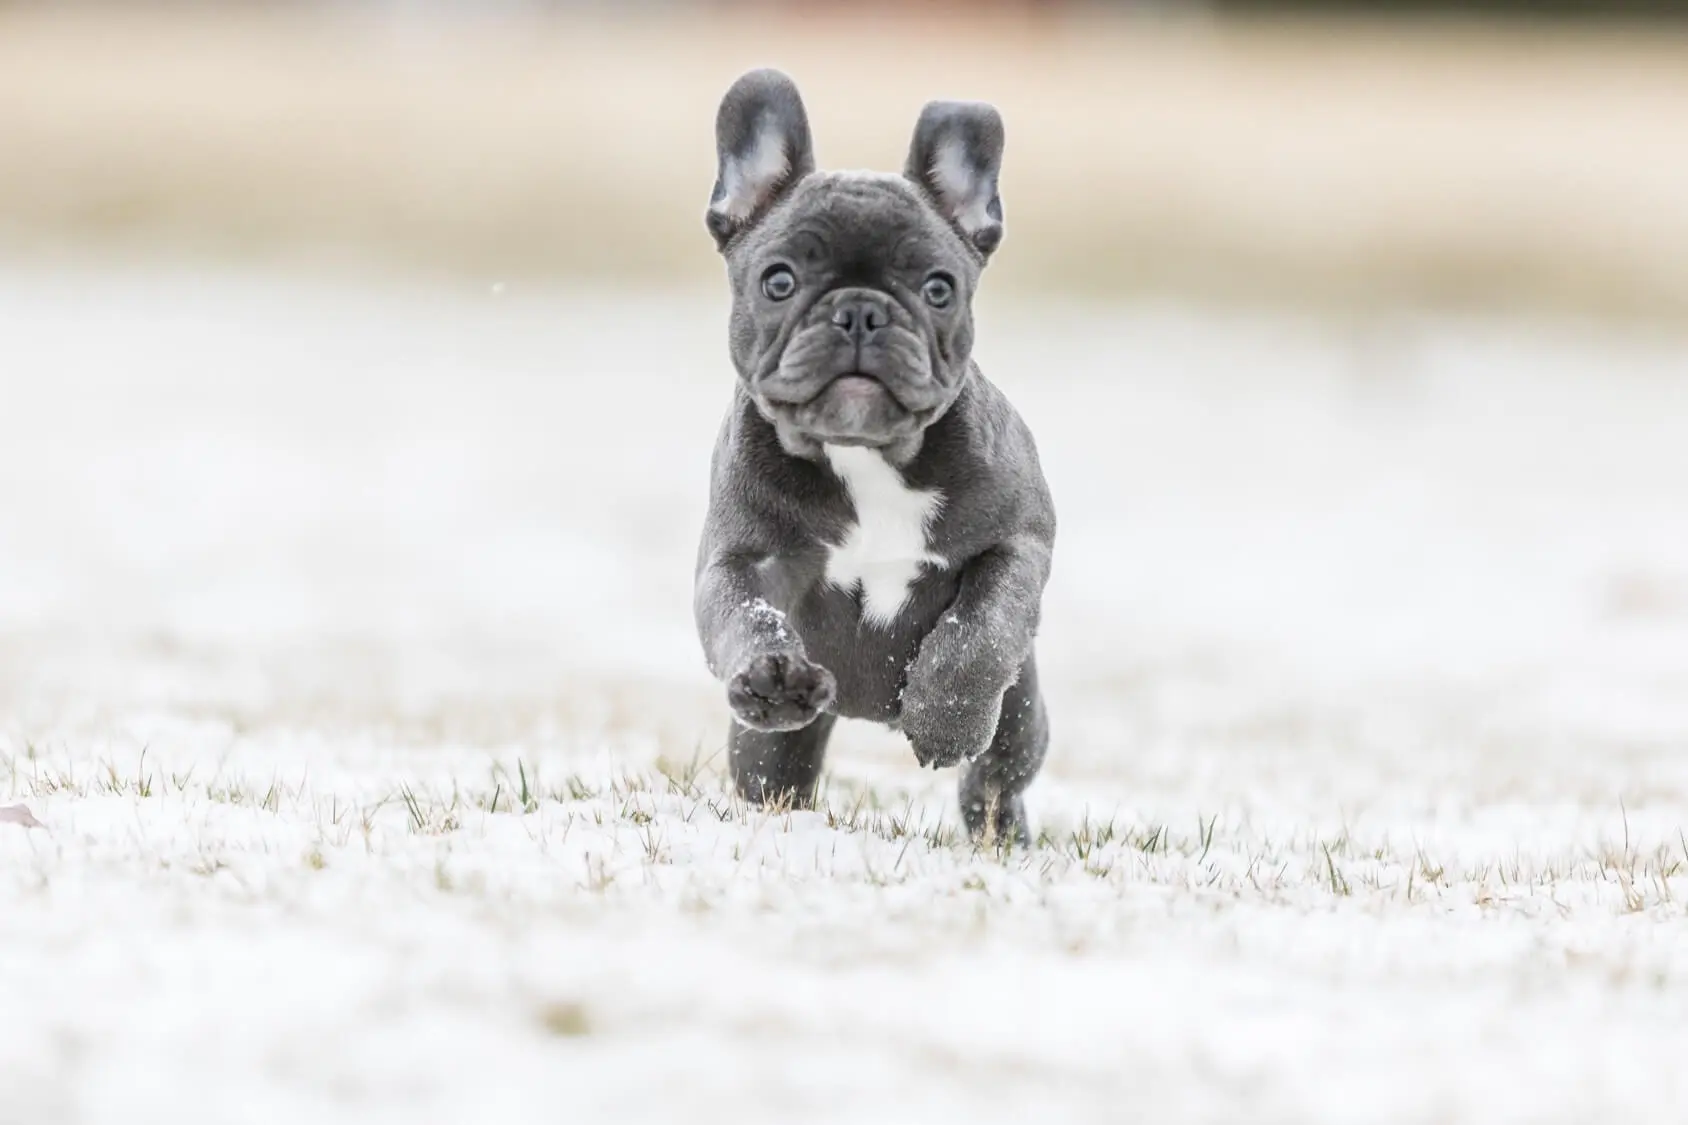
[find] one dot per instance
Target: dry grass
(1293, 161)
(627, 821)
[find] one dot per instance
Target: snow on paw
(948, 729)
(780, 691)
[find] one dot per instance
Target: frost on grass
(392, 788)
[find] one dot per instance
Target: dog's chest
(883, 552)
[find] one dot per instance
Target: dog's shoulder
(985, 459)
(760, 496)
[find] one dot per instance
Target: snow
(346, 658)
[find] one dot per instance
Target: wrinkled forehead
(863, 196)
(875, 215)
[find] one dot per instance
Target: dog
(879, 531)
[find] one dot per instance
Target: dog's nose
(859, 319)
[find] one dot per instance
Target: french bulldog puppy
(879, 530)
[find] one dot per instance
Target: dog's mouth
(859, 386)
(854, 409)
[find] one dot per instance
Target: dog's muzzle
(855, 409)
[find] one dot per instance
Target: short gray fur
(861, 351)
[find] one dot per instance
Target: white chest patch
(883, 553)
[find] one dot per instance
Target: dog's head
(852, 319)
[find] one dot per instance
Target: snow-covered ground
(346, 656)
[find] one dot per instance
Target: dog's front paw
(780, 691)
(948, 728)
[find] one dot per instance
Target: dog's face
(852, 319)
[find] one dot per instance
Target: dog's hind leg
(779, 767)
(992, 784)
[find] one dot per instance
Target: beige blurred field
(1358, 163)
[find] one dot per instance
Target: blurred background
(323, 327)
(1510, 154)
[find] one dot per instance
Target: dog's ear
(956, 155)
(763, 147)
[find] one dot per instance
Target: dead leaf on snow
(19, 815)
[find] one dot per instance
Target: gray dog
(879, 530)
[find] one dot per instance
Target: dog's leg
(958, 685)
(771, 684)
(992, 784)
(779, 767)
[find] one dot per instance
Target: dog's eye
(779, 283)
(939, 290)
